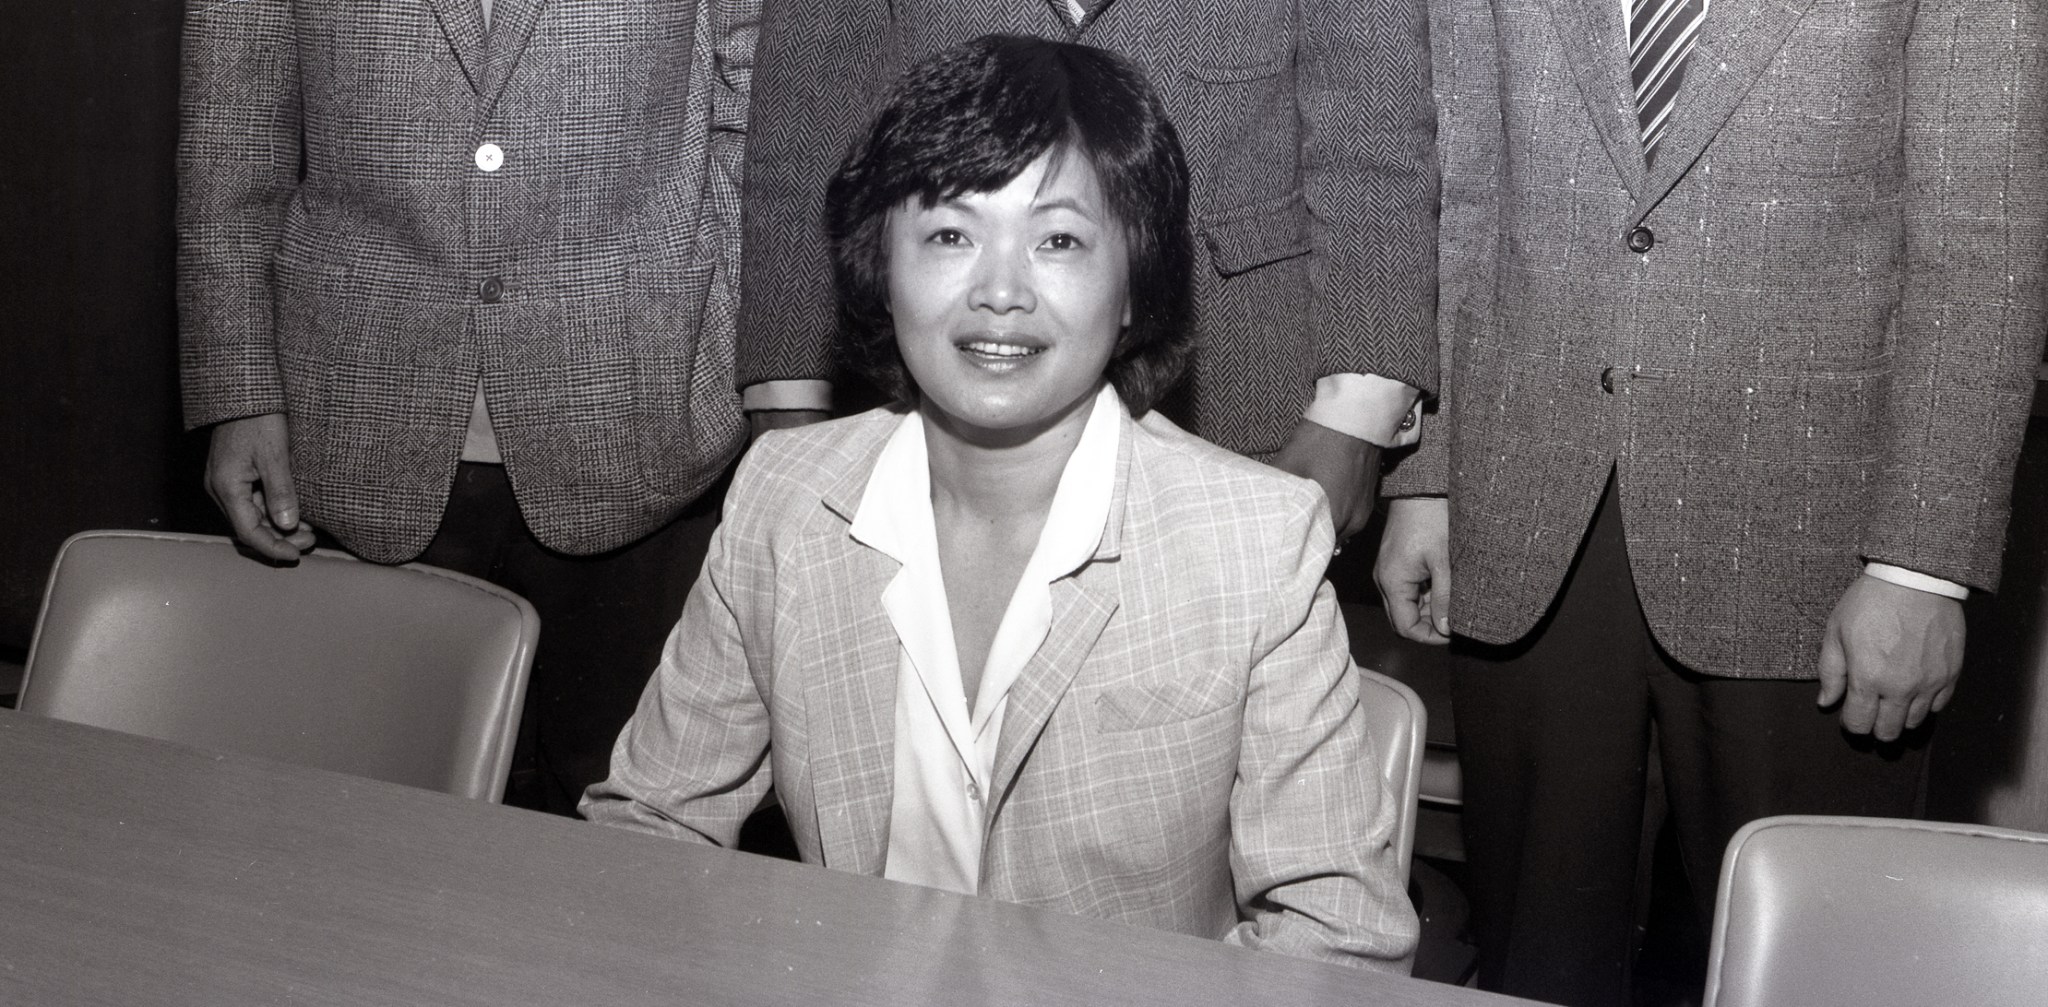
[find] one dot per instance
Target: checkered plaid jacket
(1825, 356)
(1185, 751)
(1307, 126)
(344, 259)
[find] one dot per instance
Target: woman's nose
(1002, 281)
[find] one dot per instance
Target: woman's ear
(1127, 309)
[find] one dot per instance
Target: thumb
(274, 467)
(1440, 591)
(1834, 669)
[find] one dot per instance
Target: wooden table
(136, 872)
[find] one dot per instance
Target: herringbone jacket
(1184, 751)
(1819, 352)
(1307, 126)
(346, 259)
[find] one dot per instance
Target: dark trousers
(1554, 737)
(603, 620)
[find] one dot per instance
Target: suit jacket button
(1642, 239)
(491, 290)
(490, 157)
(1607, 380)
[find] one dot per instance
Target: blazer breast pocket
(1137, 706)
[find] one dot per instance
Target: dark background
(89, 429)
(90, 435)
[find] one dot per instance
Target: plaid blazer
(1307, 130)
(1185, 751)
(1827, 354)
(344, 258)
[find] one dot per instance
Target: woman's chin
(1005, 420)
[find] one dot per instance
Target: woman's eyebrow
(1063, 203)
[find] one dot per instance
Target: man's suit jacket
(1307, 130)
(1185, 751)
(345, 259)
(1827, 354)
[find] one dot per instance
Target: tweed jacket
(1823, 351)
(1185, 751)
(347, 257)
(1307, 130)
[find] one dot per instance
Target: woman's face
(1008, 304)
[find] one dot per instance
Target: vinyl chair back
(1868, 912)
(409, 674)
(1396, 722)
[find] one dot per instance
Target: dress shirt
(945, 750)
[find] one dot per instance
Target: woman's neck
(1009, 476)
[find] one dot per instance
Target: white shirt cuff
(1916, 580)
(1368, 407)
(792, 393)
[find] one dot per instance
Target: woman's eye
(947, 236)
(1063, 242)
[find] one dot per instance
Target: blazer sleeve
(1465, 58)
(1369, 175)
(692, 763)
(1311, 829)
(239, 148)
(726, 36)
(814, 76)
(1967, 336)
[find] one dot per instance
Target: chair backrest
(1820, 911)
(409, 674)
(1396, 722)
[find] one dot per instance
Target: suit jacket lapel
(1081, 607)
(853, 648)
(1594, 37)
(512, 24)
(463, 22)
(1739, 39)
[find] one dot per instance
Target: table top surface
(134, 871)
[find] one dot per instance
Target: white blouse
(945, 754)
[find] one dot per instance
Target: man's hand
(1414, 568)
(1890, 657)
(249, 476)
(1348, 470)
(760, 421)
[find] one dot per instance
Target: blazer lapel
(1738, 40)
(852, 646)
(512, 24)
(463, 22)
(1594, 38)
(1081, 607)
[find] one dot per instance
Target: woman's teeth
(999, 349)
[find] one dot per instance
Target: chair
(1821, 911)
(409, 674)
(1395, 719)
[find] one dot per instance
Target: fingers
(1859, 711)
(248, 475)
(1412, 602)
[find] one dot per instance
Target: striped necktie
(1661, 34)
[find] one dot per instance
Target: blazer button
(1642, 239)
(490, 157)
(491, 290)
(1607, 380)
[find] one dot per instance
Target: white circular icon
(490, 157)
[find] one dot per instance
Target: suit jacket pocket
(1246, 237)
(1136, 706)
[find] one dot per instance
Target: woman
(1019, 636)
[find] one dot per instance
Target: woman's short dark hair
(971, 119)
